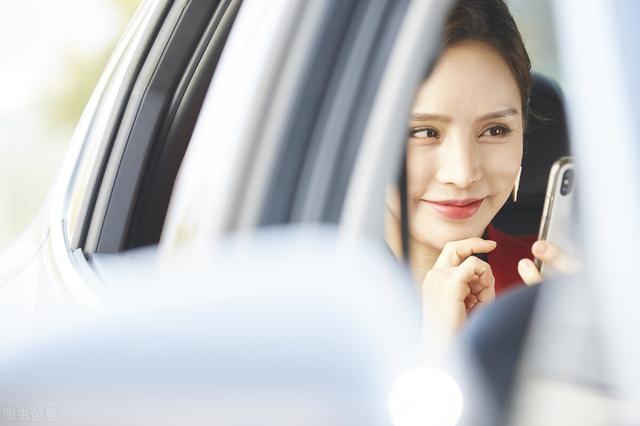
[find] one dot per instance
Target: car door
(117, 178)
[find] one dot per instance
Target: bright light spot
(425, 396)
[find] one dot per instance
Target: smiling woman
(465, 145)
(464, 156)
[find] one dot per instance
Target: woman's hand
(550, 255)
(456, 284)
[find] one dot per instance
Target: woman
(463, 161)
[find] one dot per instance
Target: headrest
(545, 141)
(545, 138)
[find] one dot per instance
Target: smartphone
(556, 224)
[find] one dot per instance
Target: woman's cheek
(419, 173)
(501, 165)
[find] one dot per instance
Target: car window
(160, 101)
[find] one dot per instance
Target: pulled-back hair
(490, 22)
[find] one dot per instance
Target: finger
(487, 295)
(554, 257)
(528, 272)
(455, 252)
(475, 271)
(476, 286)
(470, 301)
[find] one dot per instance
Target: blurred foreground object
(283, 328)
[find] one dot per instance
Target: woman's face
(465, 145)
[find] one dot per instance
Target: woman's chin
(443, 233)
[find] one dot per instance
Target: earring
(514, 193)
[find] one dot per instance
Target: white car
(216, 121)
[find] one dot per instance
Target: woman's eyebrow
(417, 117)
(499, 114)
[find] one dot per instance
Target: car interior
(546, 140)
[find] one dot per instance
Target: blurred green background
(53, 54)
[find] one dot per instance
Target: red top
(504, 259)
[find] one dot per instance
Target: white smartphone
(556, 224)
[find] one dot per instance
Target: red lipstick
(456, 209)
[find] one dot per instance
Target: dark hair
(490, 22)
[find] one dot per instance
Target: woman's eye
(424, 132)
(497, 131)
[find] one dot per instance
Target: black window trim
(176, 42)
(150, 206)
(83, 221)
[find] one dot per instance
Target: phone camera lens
(567, 182)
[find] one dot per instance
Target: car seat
(545, 141)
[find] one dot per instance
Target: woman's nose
(459, 164)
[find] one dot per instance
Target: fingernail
(524, 264)
(540, 247)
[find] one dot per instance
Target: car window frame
(177, 37)
(106, 119)
(148, 212)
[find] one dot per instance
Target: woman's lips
(456, 209)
